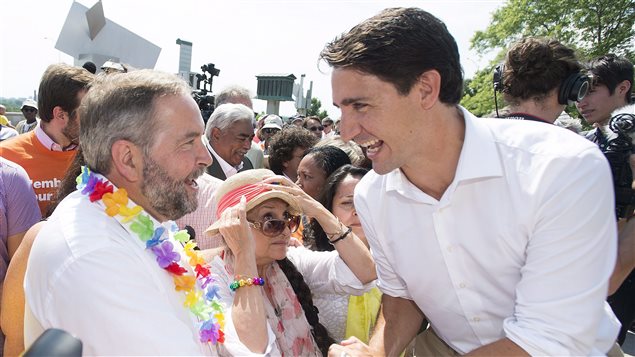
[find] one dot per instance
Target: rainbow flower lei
(201, 294)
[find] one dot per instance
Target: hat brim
(294, 207)
(271, 126)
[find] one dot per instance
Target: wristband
(348, 231)
(239, 283)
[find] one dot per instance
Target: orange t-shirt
(46, 168)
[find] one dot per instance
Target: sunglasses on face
(270, 130)
(316, 128)
(28, 109)
(275, 227)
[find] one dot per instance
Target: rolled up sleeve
(560, 299)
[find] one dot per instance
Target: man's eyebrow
(191, 134)
(349, 101)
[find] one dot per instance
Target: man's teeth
(370, 143)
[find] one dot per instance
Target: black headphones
(573, 88)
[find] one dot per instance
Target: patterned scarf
(284, 312)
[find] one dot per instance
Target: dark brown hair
(398, 45)
(534, 67)
(59, 87)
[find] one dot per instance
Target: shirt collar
(227, 168)
(478, 158)
(49, 143)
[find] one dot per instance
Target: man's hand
(352, 347)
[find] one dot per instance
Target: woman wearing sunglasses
(258, 271)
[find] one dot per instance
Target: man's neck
(56, 135)
(538, 109)
(434, 170)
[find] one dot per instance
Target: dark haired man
(538, 79)
(611, 89)
(468, 220)
(47, 151)
(610, 93)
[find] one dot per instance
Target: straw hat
(243, 180)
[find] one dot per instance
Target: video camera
(202, 95)
(618, 150)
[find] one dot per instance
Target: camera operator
(539, 78)
(606, 107)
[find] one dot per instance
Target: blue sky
(242, 37)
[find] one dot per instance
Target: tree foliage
(12, 104)
(316, 105)
(592, 27)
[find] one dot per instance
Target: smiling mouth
(372, 146)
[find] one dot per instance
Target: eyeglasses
(270, 130)
(29, 109)
(274, 227)
(316, 128)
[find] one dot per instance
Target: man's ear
(215, 134)
(127, 160)
(59, 114)
(623, 87)
(428, 87)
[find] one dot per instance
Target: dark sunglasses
(270, 130)
(316, 128)
(29, 109)
(274, 227)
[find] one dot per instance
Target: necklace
(201, 292)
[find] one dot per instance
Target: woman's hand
(310, 207)
(235, 229)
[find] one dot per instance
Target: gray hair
(352, 149)
(122, 107)
(225, 115)
(233, 94)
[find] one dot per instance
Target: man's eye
(359, 106)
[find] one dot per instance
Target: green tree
(592, 27)
(316, 105)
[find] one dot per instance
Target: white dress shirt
(520, 245)
(91, 276)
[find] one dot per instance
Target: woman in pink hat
(260, 273)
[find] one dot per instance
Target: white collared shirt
(228, 169)
(520, 245)
(94, 278)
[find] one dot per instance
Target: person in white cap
(272, 125)
(29, 110)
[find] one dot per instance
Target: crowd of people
(407, 225)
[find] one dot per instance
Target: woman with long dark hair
(257, 212)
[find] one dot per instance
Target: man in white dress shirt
(91, 272)
(475, 224)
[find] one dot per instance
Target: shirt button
(449, 248)
(462, 285)
(476, 319)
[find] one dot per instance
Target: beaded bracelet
(348, 231)
(240, 282)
